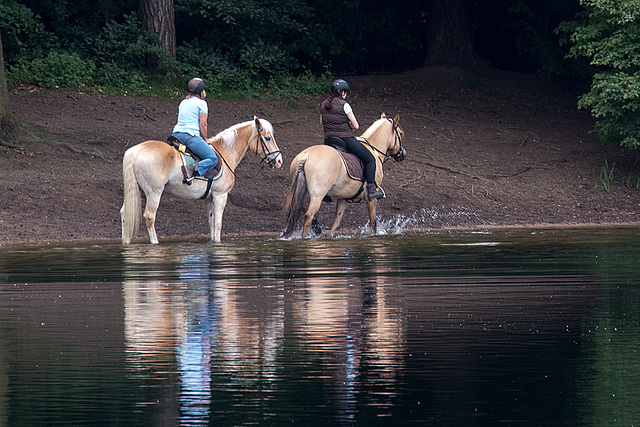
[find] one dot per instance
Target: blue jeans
(199, 147)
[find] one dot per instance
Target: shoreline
(201, 238)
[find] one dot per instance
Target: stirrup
(373, 193)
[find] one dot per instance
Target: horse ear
(258, 124)
(383, 115)
(396, 119)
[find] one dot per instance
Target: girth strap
(206, 193)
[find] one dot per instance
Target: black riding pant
(356, 147)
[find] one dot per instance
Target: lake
(521, 327)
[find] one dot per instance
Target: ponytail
(328, 105)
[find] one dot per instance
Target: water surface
(532, 328)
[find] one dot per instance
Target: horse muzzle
(400, 155)
(274, 159)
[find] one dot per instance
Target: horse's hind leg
(341, 205)
(150, 210)
(314, 205)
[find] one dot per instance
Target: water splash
(426, 218)
(398, 224)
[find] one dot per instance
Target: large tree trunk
(7, 122)
(159, 17)
(450, 40)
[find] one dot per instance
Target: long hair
(328, 105)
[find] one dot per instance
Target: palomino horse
(319, 171)
(156, 167)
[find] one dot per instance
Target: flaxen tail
(294, 205)
(130, 211)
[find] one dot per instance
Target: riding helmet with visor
(339, 85)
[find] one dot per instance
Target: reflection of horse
(319, 171)
(155, 167)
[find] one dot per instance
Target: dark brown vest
(334, 121)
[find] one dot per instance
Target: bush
(608, 33)
(292, 87)
(23, 35)
(55, 70)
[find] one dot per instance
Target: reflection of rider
(191, 128)
(338, 120)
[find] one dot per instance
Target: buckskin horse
(156, 167)
(320, 172)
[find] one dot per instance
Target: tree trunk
(450, 40)
(7, 122)
(159, 17)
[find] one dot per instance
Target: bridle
(269, 156)
(399, 156)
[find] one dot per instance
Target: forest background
(289, 48)
(246, 47)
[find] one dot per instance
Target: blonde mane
(229, 135)
(373, 128)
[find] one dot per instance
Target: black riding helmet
(196, 86)
(339, 85)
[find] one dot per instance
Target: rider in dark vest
(338, 120)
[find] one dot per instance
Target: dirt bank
(501, 149)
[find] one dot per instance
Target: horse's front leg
(341, 205)
(216, 209)
(371, 208)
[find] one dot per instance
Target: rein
(398, 141)
(269, 156)
(225, 162)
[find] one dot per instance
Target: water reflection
(346, 319)
(453, 330)
(171, 322)
(209, 318)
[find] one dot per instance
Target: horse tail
(130, 212)
(294, 205)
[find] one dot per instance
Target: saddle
(190, 162)
(354, 166)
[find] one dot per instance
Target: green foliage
(632, 180)
(224, 79)
(23, 35)
(245, 48)
(124, 51)
(287, 86)
(608, 34)
(606, 176)
(250, 48)
(55, 70)
(260, 37)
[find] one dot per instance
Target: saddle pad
(189, 165)
(187, 159)
(353, 165)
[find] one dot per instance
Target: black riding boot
(373, 192)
